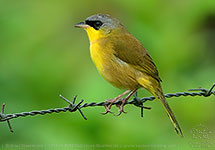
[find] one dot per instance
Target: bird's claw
(121, 110)
(107, 110)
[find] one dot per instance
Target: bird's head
(100, 25)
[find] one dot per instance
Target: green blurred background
(43, 55)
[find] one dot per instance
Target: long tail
(158, 94)
(154, 87)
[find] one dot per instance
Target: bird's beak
(81, 25)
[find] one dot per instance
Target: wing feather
(133, 53)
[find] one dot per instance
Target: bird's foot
(121, 107)
(124, 100)
(112, 101)
(108, 107)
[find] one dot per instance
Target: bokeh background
(43, 55)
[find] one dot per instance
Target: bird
(123, 61)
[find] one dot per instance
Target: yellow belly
(118, 73)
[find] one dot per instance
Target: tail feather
(159, 96)
(154, 87)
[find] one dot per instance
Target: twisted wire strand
(151, 98)
(74, 107)
(133, 101)
(33, 113)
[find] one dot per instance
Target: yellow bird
(123, 61)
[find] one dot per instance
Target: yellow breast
(115, 71)
(100, 50)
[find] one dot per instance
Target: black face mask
(96, 24)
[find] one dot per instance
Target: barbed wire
(74, 107)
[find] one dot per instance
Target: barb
(74, 107)
(2, 114)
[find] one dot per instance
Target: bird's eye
(96, 24)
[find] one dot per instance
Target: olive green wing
(128, 49)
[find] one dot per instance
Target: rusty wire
(74, 107)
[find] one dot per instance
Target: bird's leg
(111, 101)
(124, 100)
